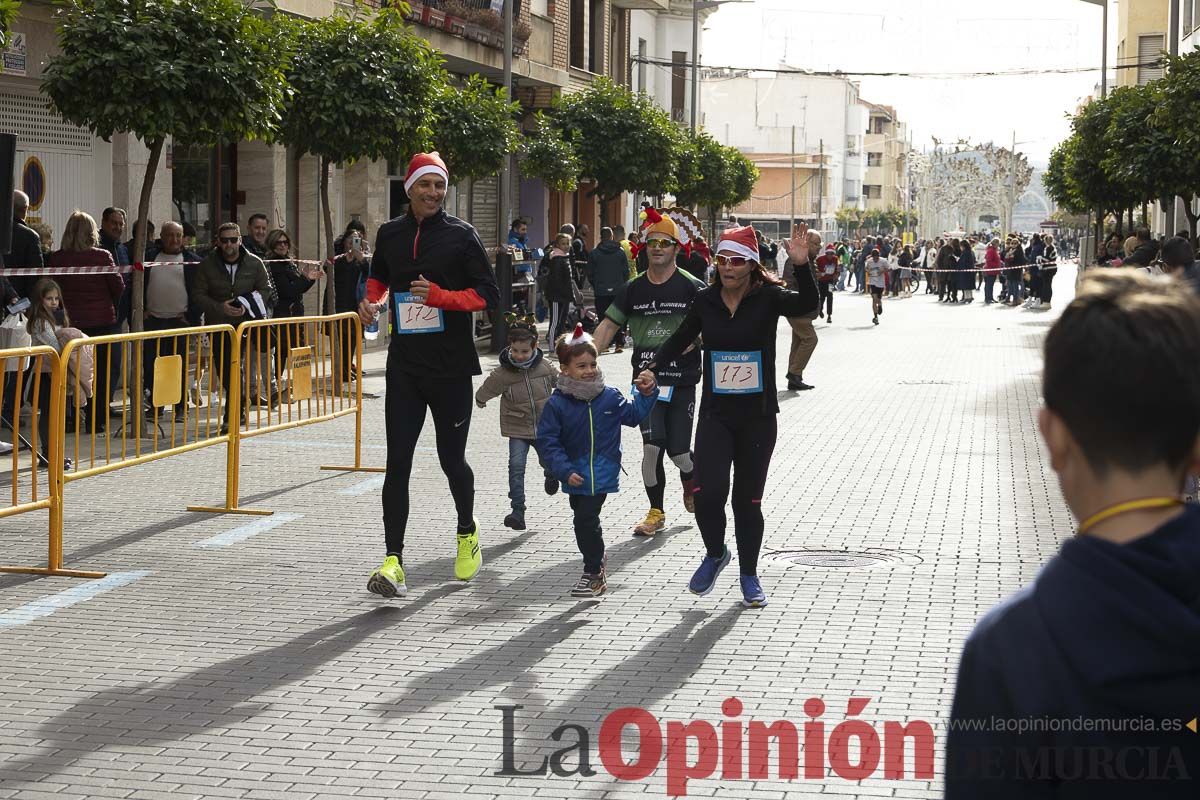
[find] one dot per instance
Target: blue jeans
(1014, 289)
(859, 275)
(989, 283)
(518, 456)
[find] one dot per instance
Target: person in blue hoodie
(580, 438)
(1086, 684)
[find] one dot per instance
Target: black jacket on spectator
(1143, 255)
(120, 256)
(560, 280)
(290, 285)
(26, 252)
(347, 275)
(608, 268)
(191, 260)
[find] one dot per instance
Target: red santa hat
(425, 164)
(739, 242)
(580, 336)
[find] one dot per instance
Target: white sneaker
(1038, 304)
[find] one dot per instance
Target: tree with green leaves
(548, 155)
(475, 128)
(708, 175)
(624, 141)
(1176, 111)
(8, 14)
(849, 219)
(361, 88)
(197, 71)
(743, 177)
(1058, 177)
(1096, 186)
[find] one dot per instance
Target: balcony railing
(473, 20)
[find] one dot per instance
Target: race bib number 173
(736, 372)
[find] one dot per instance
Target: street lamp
(697, 7)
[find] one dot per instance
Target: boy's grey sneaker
(515, 520)
(590, 585)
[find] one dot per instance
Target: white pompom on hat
(425, 164)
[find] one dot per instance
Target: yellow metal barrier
(301, 370)
(216, 382)
(45, 446)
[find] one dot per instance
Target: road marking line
(44, 607)
(244, 532)
(364, 486)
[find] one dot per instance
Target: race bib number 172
(736, 372)
(413, 316)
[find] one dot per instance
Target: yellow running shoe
(654, 522)
(388, 580)
(470, 556)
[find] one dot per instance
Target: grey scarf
(582, 390)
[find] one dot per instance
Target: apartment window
(872, 191)
(1189, 14)
(579, 34)
(540, 7)
(641, 80)
(679, 77)
(874, 159)
(618, 46)
(596, 37)
(1150, 48)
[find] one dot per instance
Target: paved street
(242, 657)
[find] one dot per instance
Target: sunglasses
(659, 244)
(732, 261)
(228, 239)
(283, 242)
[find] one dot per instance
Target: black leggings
(746, 444)
(825, 297)
(408, 397)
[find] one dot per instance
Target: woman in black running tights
(737, 320)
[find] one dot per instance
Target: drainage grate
(932, 383)
(844, 559)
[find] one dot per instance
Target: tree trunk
(136, 321)
(1131, 226)
(327, 215)
(1191, 217)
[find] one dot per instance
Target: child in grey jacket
(523, 382)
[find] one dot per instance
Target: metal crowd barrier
(36, 466)
(181, 390)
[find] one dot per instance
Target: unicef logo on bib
(736, 372)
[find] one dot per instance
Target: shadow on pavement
(222, 695)
(78, 558)
(561, 575)
(496, 666)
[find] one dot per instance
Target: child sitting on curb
(1083, 684)
(523, 382)
(580, 436)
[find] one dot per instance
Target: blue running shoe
(753, 595)
(706, 576)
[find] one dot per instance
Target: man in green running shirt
(654, 304)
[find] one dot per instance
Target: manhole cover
(844, 559)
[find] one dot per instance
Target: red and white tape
(106, 269)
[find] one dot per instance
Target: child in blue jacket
(580, 437)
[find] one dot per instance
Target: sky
(942, 36)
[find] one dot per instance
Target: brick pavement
(261, 668)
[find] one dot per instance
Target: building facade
(1141, 38)
(812, 128)
(560, 46)
(886, 146)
